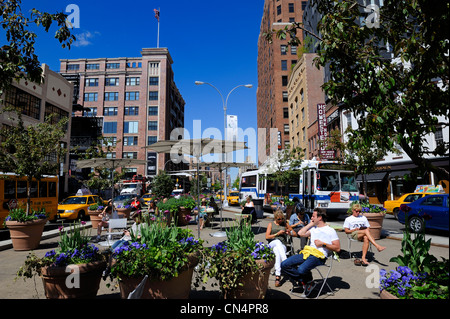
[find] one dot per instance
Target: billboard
(323, 132)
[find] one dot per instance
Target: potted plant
(289, 207)
(75, 261)
(186, 205)
(25, 229)
(167, 255)
(241, 265)
(374, 214)
(167, 208)
(419, 274)
(94, 210)
(124, 209)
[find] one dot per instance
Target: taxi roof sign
(429, 189)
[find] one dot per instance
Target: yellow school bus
(13, 194)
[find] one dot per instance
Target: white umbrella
(197, 148)
(223, 166)
(112, 164)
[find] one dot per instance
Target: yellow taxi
(76, 207)
(393, 206)
(233, 197)
(147, 198)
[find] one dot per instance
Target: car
(177, 193)
(428, 212)
(76, 207)
(146, 198)
(233, 198)
(123, 199)
(393, 206)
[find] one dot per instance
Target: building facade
(137, 100)
(37, 101)
(275, 62)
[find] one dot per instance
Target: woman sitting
(276, 234)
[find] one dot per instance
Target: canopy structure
(112, 164)
(196, 148)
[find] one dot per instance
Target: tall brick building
(138, 100)
(275, 62)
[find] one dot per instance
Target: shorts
(354, 235)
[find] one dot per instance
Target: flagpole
(157, 43)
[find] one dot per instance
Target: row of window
(109, 66)
(128, 111)
(129, 140)
(129, 127)
(114, 96)
(129, 81)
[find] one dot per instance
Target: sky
(209, 41)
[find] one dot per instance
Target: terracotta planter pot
(181, 216)
(289, 210)
(175, 288)
(27, 235)
(55, 286)
(254, 285)
(376, 224)
(93, 215)
(123, 212)
(387, 295)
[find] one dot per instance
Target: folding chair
(115, 223)
(289, 246)
(350, 239)
(137, 292)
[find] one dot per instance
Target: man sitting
(324, 240)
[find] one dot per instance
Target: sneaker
(309, 287)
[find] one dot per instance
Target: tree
(284, 167)
(32, 151)
(162, 185)
(17, 57)
(393, 77)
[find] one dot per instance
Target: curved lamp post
(224, 102)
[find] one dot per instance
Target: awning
(398, 174)
(374, 177)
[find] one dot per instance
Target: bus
(13, 194)
(327, 184)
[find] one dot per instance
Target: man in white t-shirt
(357, 226)
(324, 240)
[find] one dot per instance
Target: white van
(177, 192)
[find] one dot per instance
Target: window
(92, 66)
(291, 8)
(132, 96)
(152, 126)
(130, 140)
(154, 80)
(73, 67)
(328, 181)
(152, 139)
(284, 65)
(284, 80)
(433, 201)
(131, 110)
(294, 50)
(132, 155)
(113, 65)
(285, 96)
(286, 128)
(283, 49)
(109, 141)
(110, 127)
(112, 82)
(109, 111)
(412, 198)
(285, 113)
(153, 95)
(438, 136)
(30, 105)
(152, 110)
(90, 97)
(91, 82)
(130, 127)
(111, 96)
(92, 112)
(279, 9)
(133, 81)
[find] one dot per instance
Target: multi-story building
(275, 62)
(138, 100)
(37, 101)
(304, 95)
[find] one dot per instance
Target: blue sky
(210, 41)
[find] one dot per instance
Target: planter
(27, 235)
(387, 295)
(123, 212)
(175, 288)
(93, 215)
(289, 210)
(376, 224)
(254, 285)
(55, 286)
(181, 216)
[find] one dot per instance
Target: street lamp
(224, 102)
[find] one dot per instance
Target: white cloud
(84, 39)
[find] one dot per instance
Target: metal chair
(114, 223)
(350, 240)
(137, 292)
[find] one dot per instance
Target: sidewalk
(347, 280)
